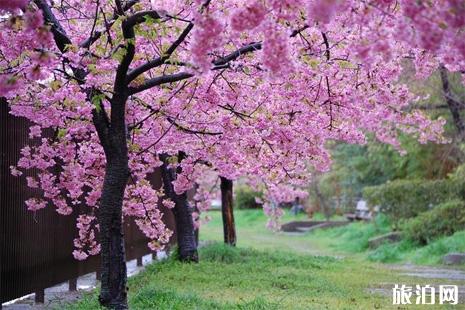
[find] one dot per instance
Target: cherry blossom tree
(250, 89)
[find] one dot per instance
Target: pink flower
(249, 17)
(275, 55)
(34, 20)
(79, 255)
(323, 10)
(13, 5)
(206, 37)
(8, 84)
(34, 131)
(15, 172)
(168, 203)
(34, 204)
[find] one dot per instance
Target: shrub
(403, 199)
(245, 198)
(444, 220)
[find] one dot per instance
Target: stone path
(430, 272)
(448, 275)
(59, 295)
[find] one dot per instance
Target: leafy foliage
(245, 198)
(403, 199)
(444, 220)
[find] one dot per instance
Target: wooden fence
(36, 247)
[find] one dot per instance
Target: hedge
(245, 198)
(404, 199)
(444, 220)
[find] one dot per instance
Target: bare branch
(159, 80)
(193, 131)
(252, 47)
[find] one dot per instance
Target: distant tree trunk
(196, 209)
(324, 206)
(227, 211)
(185, 232)
(454, 105)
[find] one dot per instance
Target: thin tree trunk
(197, 230)
(454, 106)
(324, 206)
(227, 205)
(185, 232)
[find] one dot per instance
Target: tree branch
(97, 34)
(160, 60)
(252, 47)
(159, 80)
(192, 131)
(59, 34)
(99, 115)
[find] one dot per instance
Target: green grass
(252, 232)
(274, 270)
(350, 240)
(430, 254)
(244, 278)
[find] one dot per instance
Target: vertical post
(98, 275)
(139, 262)
(40, 296)
(154, 256)
(72, 285)
(227, 205)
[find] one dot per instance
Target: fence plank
(36, 247)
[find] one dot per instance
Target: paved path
(443, 275)
(59, 295)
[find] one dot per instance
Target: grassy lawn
(241, 278)
(350, 240)
(252, 232)
(267, 270)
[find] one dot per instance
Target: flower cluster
(273, 82)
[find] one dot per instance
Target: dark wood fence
(36, 247)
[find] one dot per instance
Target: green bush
(444, 220)
(403, 199)
(245, 198)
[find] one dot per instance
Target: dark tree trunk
(185, 232)
(113, 293)
(227, 211)
(454, 106)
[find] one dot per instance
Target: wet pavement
(59, 295)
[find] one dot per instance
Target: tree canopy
(250, 89)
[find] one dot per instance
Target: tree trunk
(323, 203)
(227, 204)
(454, 105)
(185, 232)
(113, 292)
(195, 209)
